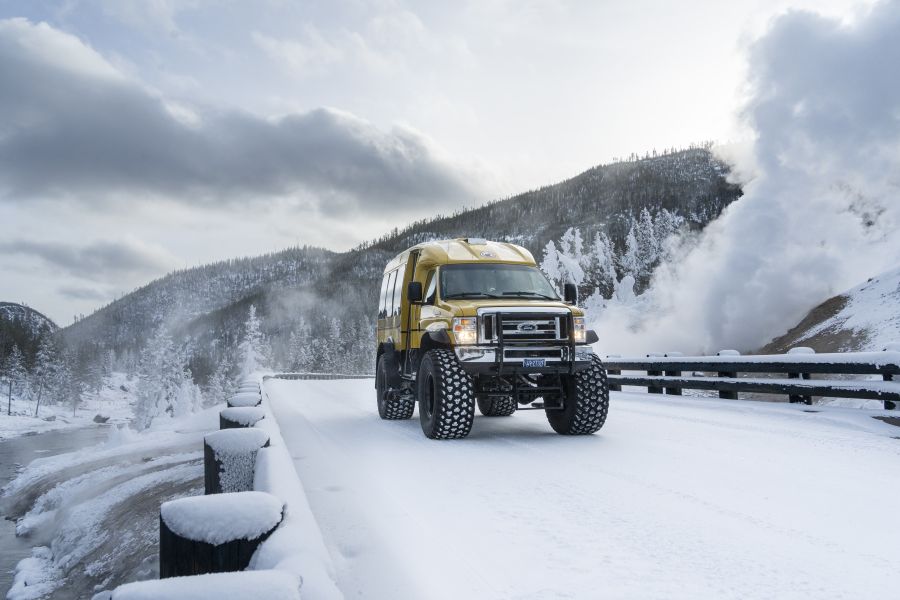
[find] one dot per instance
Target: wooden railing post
(214, 534)
(673, 391)
(654, 389)
(888, 405)
(229, 459)
(726, 395)
(795, 398)
(614, 387)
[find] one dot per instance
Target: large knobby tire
(584, 413)
(391, 405)
(446, 396)
(497, 406)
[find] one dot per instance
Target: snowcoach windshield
(494, 281)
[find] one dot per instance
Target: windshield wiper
(524, 293)
(470, 295)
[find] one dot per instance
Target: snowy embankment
(674, 498)
(866, 317)
(871, 311)
(92, 515)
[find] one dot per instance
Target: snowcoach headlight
(580, 332)
(465, 330)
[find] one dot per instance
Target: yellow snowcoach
(468, 321)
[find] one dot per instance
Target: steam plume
(823, 212)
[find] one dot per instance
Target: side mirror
(414, 292)
(570, 293)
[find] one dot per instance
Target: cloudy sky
(141, 136)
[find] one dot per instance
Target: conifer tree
(252, 349)
(45, 365)
(16, 375)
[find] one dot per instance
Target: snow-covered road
(673, 498)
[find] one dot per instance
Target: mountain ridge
(327, 295)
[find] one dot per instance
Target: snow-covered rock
(801, 350)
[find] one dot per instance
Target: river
(18, 452)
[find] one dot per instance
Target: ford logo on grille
(526, 327)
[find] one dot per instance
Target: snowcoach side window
(382, 309)
(398, 289)
(389, 294)
(430, 287)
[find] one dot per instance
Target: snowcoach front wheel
(584, 412)
(446, 397)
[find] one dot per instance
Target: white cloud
(75, 136)
(312, 53)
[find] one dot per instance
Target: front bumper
(509, 359)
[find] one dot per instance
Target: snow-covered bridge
(673, 498)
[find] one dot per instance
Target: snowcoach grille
(524, 328)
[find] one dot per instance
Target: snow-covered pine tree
(332, 359)
(188, 398)
(45, 365)
(162, 374)
(647, 244)
(550, 264)
(630, 262)
(66, 384)
(602, 265)
(564, 265)
(300, 357)
(252, 350)
(219, 387)
(665, 226)
(16, 375)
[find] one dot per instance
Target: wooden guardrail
(798, 375)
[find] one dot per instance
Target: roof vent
(476, 241)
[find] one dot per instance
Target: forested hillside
(21, 330)
(316, 307)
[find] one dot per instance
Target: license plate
(534, 362)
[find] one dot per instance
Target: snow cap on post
(245, 399)
(222, 518)
(240, 416)
(214, 534)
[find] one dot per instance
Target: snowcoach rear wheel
(446, 396)
(392, 405)
(497, 406)
(585, 412)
